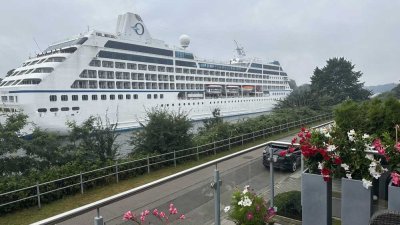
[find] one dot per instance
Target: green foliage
(93, 140)
(375, 116)
(339, 81)
(248, 208)
(289, 204)
(396, 91)
(163, 133)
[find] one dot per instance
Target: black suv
(290, 161)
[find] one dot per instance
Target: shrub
(289, 204)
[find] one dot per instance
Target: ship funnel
(131, 26)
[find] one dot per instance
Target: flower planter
(356, 203)
(316, 200)
(393, 197)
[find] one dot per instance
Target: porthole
(53, 109)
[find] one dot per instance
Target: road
(192, 194)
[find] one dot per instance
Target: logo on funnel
(138, 28)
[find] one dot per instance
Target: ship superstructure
(123, 75)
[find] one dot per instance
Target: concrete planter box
(356, 203)
(316, 200)
(393, 197)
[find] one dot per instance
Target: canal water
(123, 140)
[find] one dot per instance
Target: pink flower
(249, 216)
(128, 216)
(257, 208)
(395, 179)
(182, 217)
(142, 218)
(378, 146)
(162, 214)
(155, 212)
(294, 140)
(174, 211)
(291, 149)
(146, 212)
(171, 205)
(397, 146)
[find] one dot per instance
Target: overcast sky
(300, 34)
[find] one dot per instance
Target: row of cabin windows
(127, 85)
(63, 109)
(19, 82)
(50, 59)
(145, 67)
(64, 98)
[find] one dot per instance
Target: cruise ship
(121, 76)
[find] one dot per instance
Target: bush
(289, 204)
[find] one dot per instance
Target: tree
(339, 81)
(292, 84)
(93, 140)
(10, 143)
(213, 121)
(396, 91)
(164, 132)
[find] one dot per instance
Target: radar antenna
(240, 50)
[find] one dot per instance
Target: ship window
(103, 97)
(131, 66)
(142, 67)
(185, 63)
(29, 81)
(128, 96)
(4, 98)
(108, 64)
(161, 96)
(184, 55)
(135, 96)
(75, 108)
(53, 98)
(55, 59)
(85, 97)
(110, 75)
(64, 98)
(155, 96)
(42, 110)
(94, 97)
(43, 70)
(120, 97)
(138, 48)
(112, 97)
(120, 65)
(74, 97)
(92, 73)
(65, 109)
(149, 96)
(95, 63)
(138, 58)
(53, 109)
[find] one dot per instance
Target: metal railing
(77, 182)
(98, 220)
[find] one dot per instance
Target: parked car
(289, 162)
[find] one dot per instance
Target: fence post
(217, 197)
(148, 164)
(215, 150)
(229, 141)
(116, 171)
(174, 158)
(242, 138)
(38, 194)
(197, 153)
(254, 138)
(98, 220)
(81, 181)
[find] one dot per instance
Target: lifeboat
(248, 88)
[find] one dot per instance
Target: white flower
(227, 208)
(331, 148)
(246, 189)
(245, 201)
(373, 164)
(240, 203)
(365, 136)
(345, 166)
(348, 175)
(351, 138)
(323, 130)
(320, 166)
(328, 135)
(366, 183)
(351, 133)
(369, 156)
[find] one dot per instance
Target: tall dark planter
(356, 203)
(316, 200)
(393, 197)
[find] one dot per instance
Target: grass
(33, 214)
